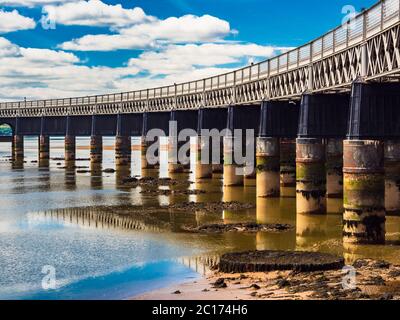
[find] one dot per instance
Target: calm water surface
(82, 226)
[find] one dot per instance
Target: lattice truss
(291, 83)
(384, 53)
(337, 70)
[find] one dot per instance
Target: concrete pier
(334, 168)
(288, 167)
(123, 144)
(218, 168)
(268, 167)
(145, 164)
(364, 192)
(70, 149)
(44, 145)
(123, 151)
(96, 145)
(310, 176)
(18, 148)
(96, 149)
(233, 173)
(174, 166)
(392, 177)
(204, 168)
(69, 144)
(44, 150)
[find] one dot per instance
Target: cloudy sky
(62, 48)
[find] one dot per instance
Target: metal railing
(364, 26)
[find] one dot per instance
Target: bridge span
(326, 116)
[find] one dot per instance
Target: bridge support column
(18, 148)
(70, 149)
(268, 167)
(96, 150)
(204, 168)
(219, 167)
(96, 147)
(123, 144)
(334, 168)
(69, 145)
(288, 167)
(364, 192)
(310, 176)
(173, 162)
(123, 151)
(364, 154)
(44, 145)
(233, 173)
(144, 148)
(44, 150)
(392, 177)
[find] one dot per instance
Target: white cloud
(185, 29)
(176, 59)
(32, 3)
(95, 13)
(43, 73)
(13, 21)
(182, 49)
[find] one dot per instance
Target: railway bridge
(326, 116)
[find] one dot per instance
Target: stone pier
(268, 167)
(310, 176)
(69, 144)
(364, 192)
(334, 168)
(287, 167)
(183, 124)
(392, 177)
(123, 145)
(18, 145)
(204, 167)
(96, 146)
(369, 143)
(237, 147)
(44, 145)
(322, 127)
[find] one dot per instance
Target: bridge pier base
(233, 173)
(288, 167)
(364, 192)
(334, 168)
(96, 150)
(18, 148)
(145, 163)
(268, 167)
(218, 168)
(173, 161)
(123, 151)
(70, 150)
(44, 150)
(392, 177)
(204, 168)
(310, 176)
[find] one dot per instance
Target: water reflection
(43, 208)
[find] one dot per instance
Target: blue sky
(101, 46)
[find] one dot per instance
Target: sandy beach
(374, 280)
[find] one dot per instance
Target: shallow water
(82, 226)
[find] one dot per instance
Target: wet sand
(374, 280)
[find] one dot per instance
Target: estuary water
(75, 235)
